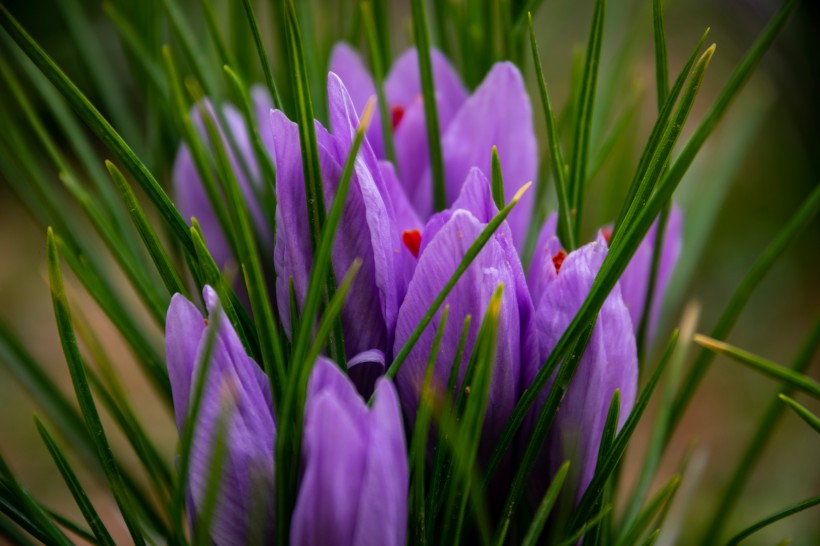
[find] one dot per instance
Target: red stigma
(607, 233)
(412, 240)
(558, 259)
(396, 113)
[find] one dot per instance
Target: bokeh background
(749, 179)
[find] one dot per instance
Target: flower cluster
(354, 476)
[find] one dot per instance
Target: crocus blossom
(446, 238)
(368, 231)
(355, 480)
(498, 113)
(402, 89)
(192, 200)
(635, 279)
(236, 391)
(560, 283)
(354, 484)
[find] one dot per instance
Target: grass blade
(802, 412)
(314, 189)
(766, 367)
(763, 431)
(418, 445)
(81, 388)
(786, 512)
(798, 222)
(661, 61)
(421, 33)
(377, 68)
(544, 509)
(167, 271)
(583, 123)
(100, 126)
(80, 497)
(263, 57)
(653, 508)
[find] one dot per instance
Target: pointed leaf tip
(520, 193)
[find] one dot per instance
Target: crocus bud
(368, 229)
(236, 392)
(402, 90)
(354, 486)
(635, 279)
(443, 244)
(497, 114)
(190, 196)
(608, 363)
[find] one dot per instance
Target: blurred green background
(749, 179)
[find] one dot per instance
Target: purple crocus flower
(190, 197)
(498, 114)
(368, 230)
(635, 278)
(445, 240)
(560, 283)
(235, 389)
(402, 89)
(354, 486)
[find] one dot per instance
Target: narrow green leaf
(497, 180)
(660, 157)
(263, 57)
(587, 526)
(314, 189)
(17, 503)
(165, 268)
(80, 497)
(474, 397)
(786, 512)
(798, 222)
(802, 412)
(653, 508)
(466, 260)
(81, 388)
(441, 464)
(97, 63)
(288, 440)
(545, 508)
(766, 367)
(377, 67)
(583, 124)
(661, 124)
(98, 124)
(661, 61)
(421, 33)
(418, 444)
(267, 332)
(654, 451)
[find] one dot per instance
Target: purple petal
(354, 459)
(347, 64)
(382, 513)
(497, 114)
(364, 369)
(403, 84)
(235, 393)
(609, 363)
(471, 295)
(635, 279)
(183, 329)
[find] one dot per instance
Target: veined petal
(354, 465)
(497, 114)
(471, 295)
